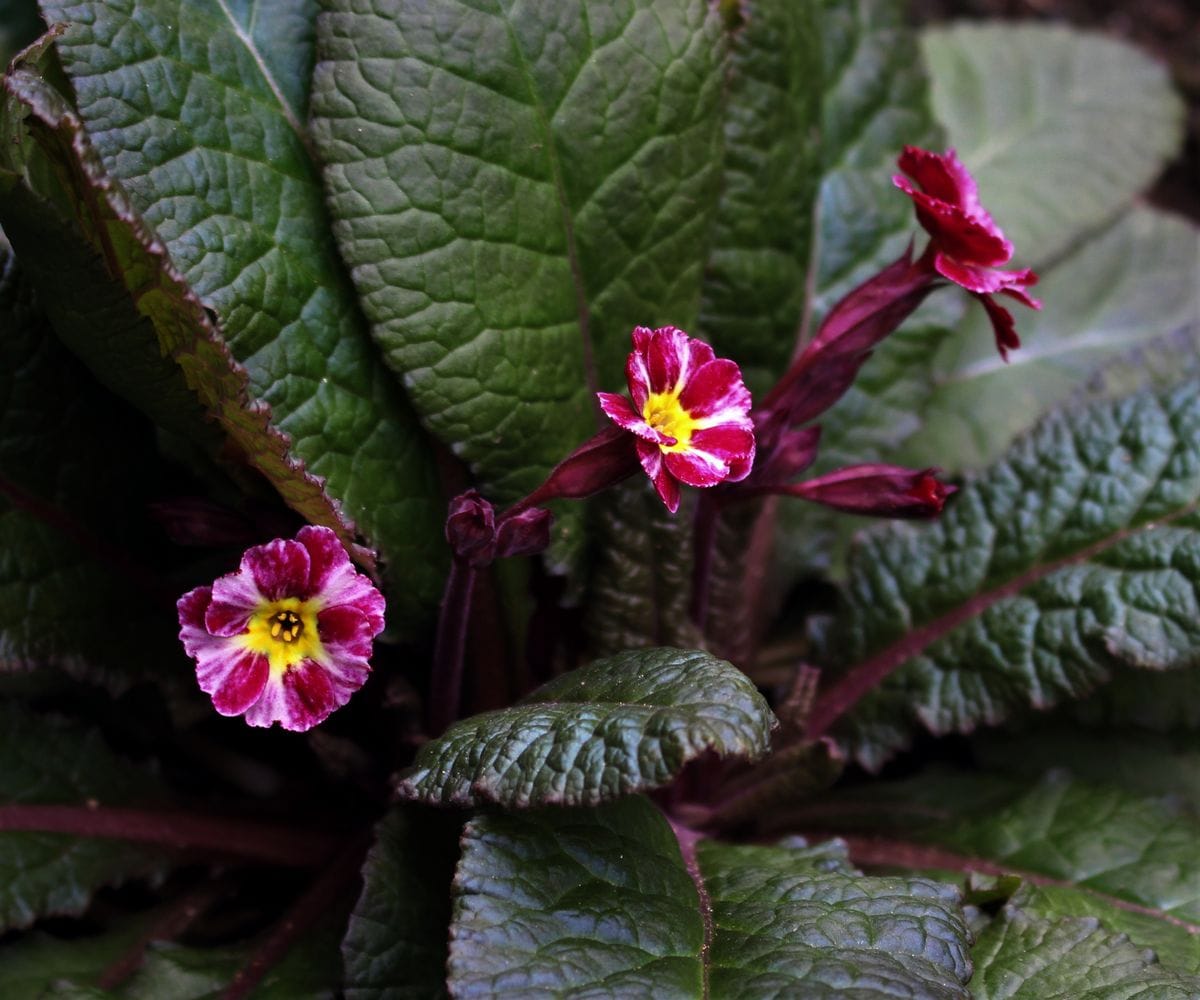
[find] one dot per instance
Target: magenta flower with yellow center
(690, 412)
(288, 637)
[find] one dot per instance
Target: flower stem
(445, 694)
(281, 845)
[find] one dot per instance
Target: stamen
(286, 626)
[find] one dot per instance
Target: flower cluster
(287, 638)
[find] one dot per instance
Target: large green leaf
(1075, 553)
(395, 944)
(515, 186)
(606, 903)
(1089, 848)
(43, 762)
(764, 225)
(1176, 946)
(1133, 284)
(620, 725)
(116, 299)
(1021, 957)
(78, 590)
(1060, 128)
(195, 109)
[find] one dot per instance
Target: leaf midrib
(583, 309)
(878, 851)
(869, 673)
(285, 108)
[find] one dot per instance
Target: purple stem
(281, 845)
(445, 694)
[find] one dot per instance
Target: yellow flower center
(664, 413)
(285, 631)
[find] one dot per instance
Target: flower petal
(334, 581)
(239, 685)
(673, 357)
(651, 457)
(941, 175)
(716, 390)
(235, 597)
(728, 442)
(345, 631)
(618, 410)
(280, 569)
(1003, 327)
(973, 238)
(696, 468)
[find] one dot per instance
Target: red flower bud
(878, 490)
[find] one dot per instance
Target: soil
(1167, 29)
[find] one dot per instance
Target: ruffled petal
(651, 457)
(1003, 327)
(618, 410)
(279, 569)
(973, 238)
(716, 390)
(696, 468)
(345, 631)
(728, 442)
(235, 597)
(333, 580)
(941, 175)
(235, 683)
(673, 357)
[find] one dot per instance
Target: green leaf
(1176, 947)
(764, 223)
(605, 903)
(1147, 854)
(876, 100)
(1060, 128)
(621, 725)
(184, 103)
(78, 590)
(125, 305)
(641, 577)
(43, 762)
(1089, 848)
(801, 922)
(395, 944)
(574, 902)
(1075, 553)
(514, 188)
(32, 963)
(1128, 287)
(1024, 958)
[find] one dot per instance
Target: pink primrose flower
(968, 246)
(690, 412)
(287, 638)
